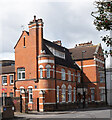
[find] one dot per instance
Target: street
(89, 113)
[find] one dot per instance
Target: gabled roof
(20, 37)
(68, 62)
(89, 54)
(7, 69)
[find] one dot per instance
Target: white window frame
(30, 94)
(57, 94)
(63, 93)
(74, 95)
(102, 94)
(92, 94)
(63, 74)
(4, 83)
(69, 75)
(48, 71)
(11, 79)
(19, 71)
(69, 93)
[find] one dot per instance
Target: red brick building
(7, 73)
(52, 77)
(93, 68)
(45, 70)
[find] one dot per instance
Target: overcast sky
(70, 22)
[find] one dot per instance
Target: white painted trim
(41, 110)
(41, 97)
(24, 97)
(40, 103)
(92, 88)
(30, 87)
(46, 61)
(101, 87)
(98, 60)
(41, 66)
(49, 103)
(89, 65)
(44, 89)
(22, 87)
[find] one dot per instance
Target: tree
(103, 20)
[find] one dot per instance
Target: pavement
(103, 113)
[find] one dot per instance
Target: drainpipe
(105, 82)
(55, 85)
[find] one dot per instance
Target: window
(11, 94)
(58, 94)
(102, 77)
(78, 77)
(102, 94)
(69, 75)
(69, 94)
(48, 71)
(4, 94)
(30, 95)
(4, 80)
(92, 94)
(111, 77)
(11, 79)
(74, 94)
(24, 41)
(41, 72)
(62, 74)
(63, 93)
(21, 73)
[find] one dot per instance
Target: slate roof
(68, 62)
(77, 52)
(7, 69)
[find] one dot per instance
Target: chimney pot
(34, 18)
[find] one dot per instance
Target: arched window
(78, 77)
(41, 71)
(62, 74)
(63, 93)
(69, 75)
(58, 94)
(48, 71)
(69, 93)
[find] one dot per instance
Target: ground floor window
(4, 94)
(11, 94)
(69, 94)
(102, 94)
(92, 94)
(74, 94)
(58, 94)
(30, 95)
(63, 93)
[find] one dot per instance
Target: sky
(67, 20)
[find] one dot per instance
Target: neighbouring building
(109, 85)
(90, 57)
(7, 73)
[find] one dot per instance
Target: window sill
(30, 103)
(4, 84)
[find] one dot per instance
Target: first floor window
(11, 94)
(48, 72)
(69, 94)
(41, 72)
(102, 94)
(30, 95)
(4, 79)
(21, 73)
(74, 94)
(92, 94)
(69, 75)
(102, 77)
(63, 93)
(11, 79)
(58, 94)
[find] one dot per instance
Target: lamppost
(82, 81)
